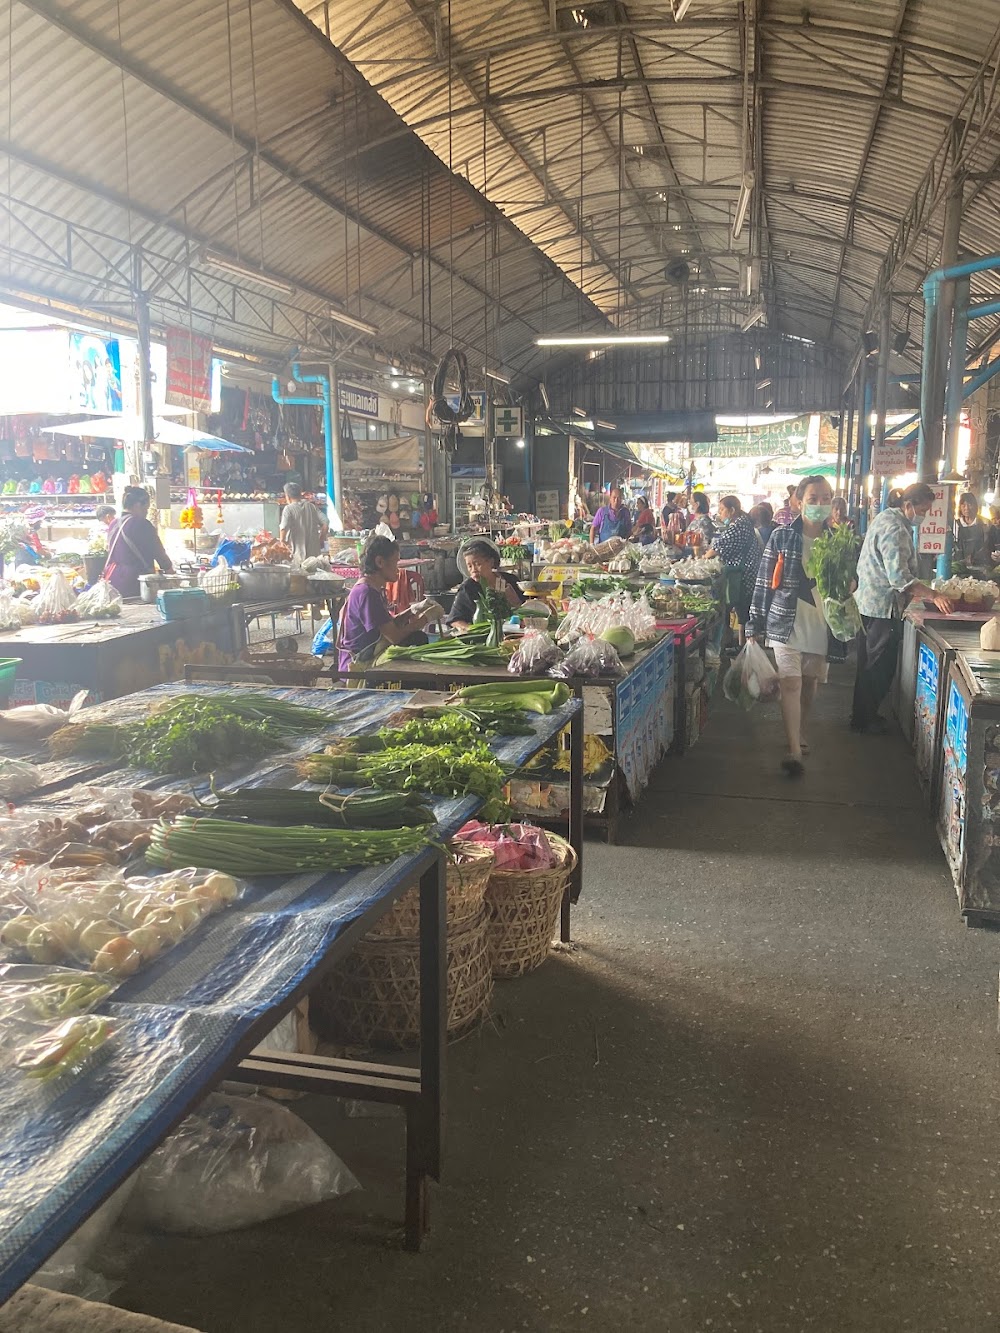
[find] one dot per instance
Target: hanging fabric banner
(189, 370)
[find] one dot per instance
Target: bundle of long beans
(194, 732)
(469, 649)
(242, 849)
(365, 808)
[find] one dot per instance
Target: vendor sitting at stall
(611, 520)
(134, 545)
(644, 523)
(482, 564)
(972, 536)
(366, 624)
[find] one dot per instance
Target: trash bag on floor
(751, 678)
(234, 1162)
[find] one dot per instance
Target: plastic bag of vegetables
(537, 652)
(101, 602)
(589, 657)
(751, 678)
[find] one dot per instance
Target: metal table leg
(572, 894)
(424, 1120)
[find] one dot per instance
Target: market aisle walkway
(761, 1095)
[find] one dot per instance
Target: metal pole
(938, 305)
(334, 461)
(953, 415)
(133, 448)
(840, 446)
(864, 472)
(882, 378)
(849, 447)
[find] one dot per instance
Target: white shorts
(790, 662)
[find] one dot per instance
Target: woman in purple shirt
(366, 618)
(134, 545)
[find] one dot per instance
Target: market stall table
(635, 711)
(110, 658)
(196, 1015)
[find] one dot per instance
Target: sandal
(795, 768)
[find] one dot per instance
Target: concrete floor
(759, 1094)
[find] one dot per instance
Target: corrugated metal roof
(595, 147)
(631, 126)
(238, 128)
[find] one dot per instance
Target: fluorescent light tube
(762, 384)
(681, 7)
(742, 205)
(239, 270)
(545, 397)
(352, 323)
(495, 375)
(600, 339)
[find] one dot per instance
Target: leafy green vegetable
(833, 562)
(194, 733)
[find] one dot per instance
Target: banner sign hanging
(189, 370)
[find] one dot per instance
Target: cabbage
(621, 639)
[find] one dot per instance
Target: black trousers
(878, 652)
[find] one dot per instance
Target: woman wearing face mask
(887, 581)
(739, 547)
(785, 609)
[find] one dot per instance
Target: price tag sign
(933, 529)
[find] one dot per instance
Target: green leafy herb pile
(457, 769)
(833, 562)
(194, 733)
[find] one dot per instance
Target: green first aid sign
(508, 421)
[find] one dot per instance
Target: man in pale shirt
(887, 581)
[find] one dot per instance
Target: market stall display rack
(968, 801)
(903, 695)
(198, 1014)
(635, 716)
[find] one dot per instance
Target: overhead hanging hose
(439, 410)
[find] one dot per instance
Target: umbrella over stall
(129, 427)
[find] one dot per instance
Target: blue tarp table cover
(184, 1020)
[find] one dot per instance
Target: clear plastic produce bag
(589, 657)
(9, 618)
(101, 602)
(236, 1161)
(844, 618)
(751, 679)
(56, 603)
(535, 654)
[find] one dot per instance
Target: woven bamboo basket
(373, 997)
(524, 908)
(469, 870)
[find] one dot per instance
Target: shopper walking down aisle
(673, 519)
(611, 520)
(762, 516)
(701, 519)
(785, 609)
(789, 510)
(738, 545)
(887, 581)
